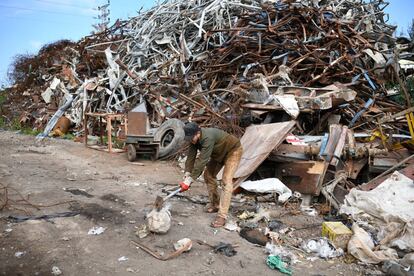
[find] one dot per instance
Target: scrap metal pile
(230, 63)
(205, 59)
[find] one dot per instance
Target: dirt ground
(116, 195)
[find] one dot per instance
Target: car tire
(171, 137)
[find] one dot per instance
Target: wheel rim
(167, 138)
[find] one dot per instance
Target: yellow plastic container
(337, 232)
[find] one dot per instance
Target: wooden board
(257, 142)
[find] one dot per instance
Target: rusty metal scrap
(326, 65)
(203, 60)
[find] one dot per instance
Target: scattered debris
(362, 247)
(122, 259)
(283, 253)
(387, 208)
(246, 215)
(275, 262)
(56, 271)
(183, 243)
(275, 225)
(231, 226)
(142, 231)
(96, 230)
(19, 254)
(337, 233)
(323, 248)
(255, 236)
(268, 185)
(304, 83)
(226, 249)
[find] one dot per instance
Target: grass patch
(30, 131)
(15, 125)
(69, 136)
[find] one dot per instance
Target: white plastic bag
(268, 185)
(322, 248)
(159, 221)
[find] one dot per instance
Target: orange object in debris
(62, 126)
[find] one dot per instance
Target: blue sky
(26, 25)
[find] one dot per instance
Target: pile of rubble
(226, 63)
(305, 83)
(327, 65)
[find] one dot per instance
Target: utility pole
(103, 18)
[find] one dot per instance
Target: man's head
(192, 132)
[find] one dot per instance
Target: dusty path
(120, 194)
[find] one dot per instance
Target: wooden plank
(257, 142)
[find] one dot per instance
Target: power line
(45, 11)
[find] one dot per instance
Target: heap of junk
(316, 89)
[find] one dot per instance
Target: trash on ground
(19, 254)
(337, 233)
(275, 225)
(122, 259)
(268, 185)
(408, 260)
(388, 208)
(183, 243)
(275, 262)
(323, 248)
(231, 226)
(279, 250)
(246, 215)
(362, 247)
(225, 249)
(96, 230)
(56, 271)
(255, 236)
(142, 231)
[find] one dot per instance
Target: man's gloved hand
(185, 184)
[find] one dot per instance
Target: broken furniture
(112, 121)
(138, 141)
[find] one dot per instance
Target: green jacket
(214, 144)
